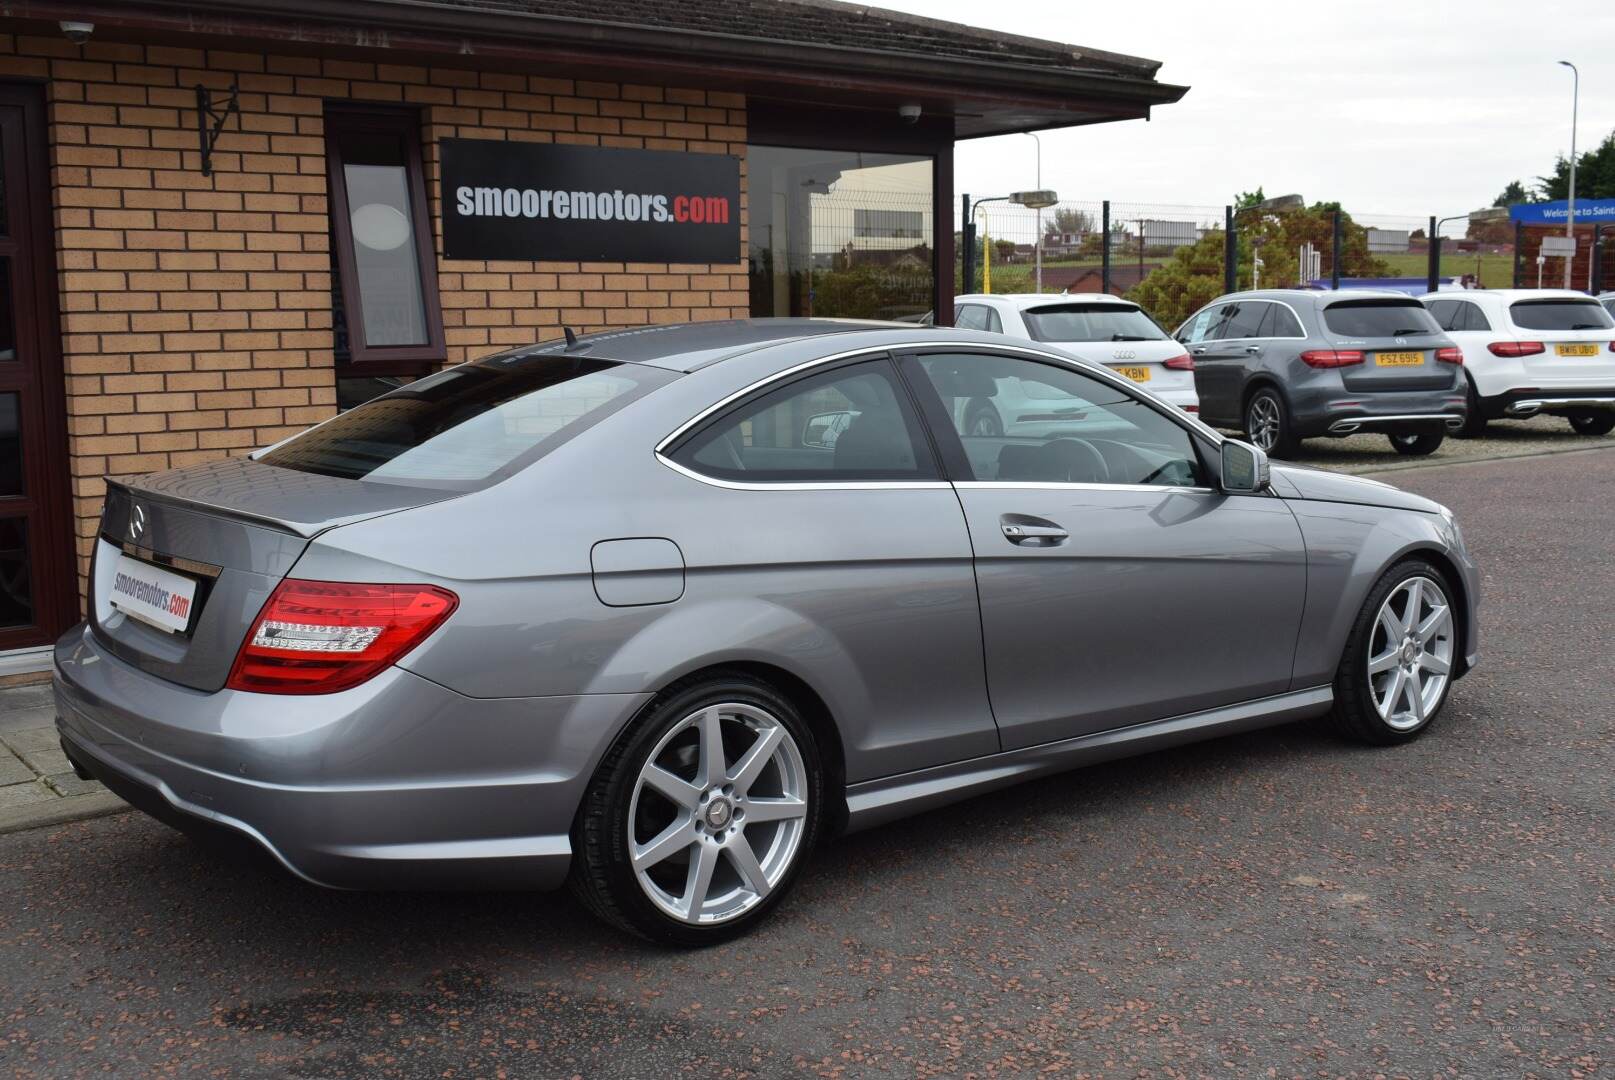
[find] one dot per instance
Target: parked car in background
(655, 611)
(1290, 364)
(1099, 328)
(1530, 351)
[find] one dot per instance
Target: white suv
(1530, 351)
(1099, 328)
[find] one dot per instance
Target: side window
(1201, 327)
(1023, 421)
(1470, 317)
(1244, 321)
(1264, 329)
(848, 424)
(1284, 324)
(977, 317)
(994, 323)
(1444, 312)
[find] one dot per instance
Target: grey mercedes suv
(654, 612)
(1289, 364)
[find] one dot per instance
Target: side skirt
(875, 802)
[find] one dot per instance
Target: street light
(1039, 242)
(1570, 216)
(1032, 200)
(1475, 217)
(1278, 204)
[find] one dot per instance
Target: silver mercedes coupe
(654, 612)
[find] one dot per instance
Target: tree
(1247, 199)
(1514, 193)
(1068, 219)
(1595, 174)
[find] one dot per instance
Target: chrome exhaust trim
(1535, 405)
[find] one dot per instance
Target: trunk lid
(224, 533)
(1575, 334)
(1399, 340)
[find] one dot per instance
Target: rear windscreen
(1090, 322)
(1560, 315)
(470, 424)
(1379, 318)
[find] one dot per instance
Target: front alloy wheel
(699, 818)
(1399, 658)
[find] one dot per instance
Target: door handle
(1034, 534)
(1199, 350)
(1253, 349)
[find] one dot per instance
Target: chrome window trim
(1055, 485)
(1258, 300)
(1082, 367)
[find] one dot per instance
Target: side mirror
(1244, 468)
(821, 431)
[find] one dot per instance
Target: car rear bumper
(1397, 424)
(1523, 403)
(397, 783)
(1341, 413)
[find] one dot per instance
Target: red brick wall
(197, 310)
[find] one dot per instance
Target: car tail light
(1516, 348)
(317, 637)
(1329, 358)
(1185, 362)
(1450, 355)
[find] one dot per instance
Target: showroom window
(840, 233)
(388, 325)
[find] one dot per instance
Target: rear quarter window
(1560, 315)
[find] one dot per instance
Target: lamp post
(1038, 243)
(1475, 217)
(1034, 200)
(1570, 216)
(1278, 204)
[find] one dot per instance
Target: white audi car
(1530, 351)
(1099, 328)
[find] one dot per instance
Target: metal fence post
(1334, 271)
(1595, 273)
(1433, 276)
(967, 258)
(1230, 251)
(1104, 251)
(1519, 244)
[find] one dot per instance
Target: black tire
(982, 420)
(1354, 714)
(1417, 444)
(1474, 420)
(1593, 423)
(602, 875)
(1284, 443)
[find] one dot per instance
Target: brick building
(224, 220)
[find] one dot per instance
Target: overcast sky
(1414, 107)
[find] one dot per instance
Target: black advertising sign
(541, 202)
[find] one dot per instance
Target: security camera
(910, 113)
(77, 32)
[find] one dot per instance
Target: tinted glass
(1021, 421)
(469, 424)
(1090, 322)
(10, 446)
(1470, 317)
(1378, 318)
(1444, 312)
(1242, 320)
(1203, 326)
(852, 423)
(375, 169)
(1283, 323)
(1560, 315)
(1609, 305)
(16, 592)
(972, 317)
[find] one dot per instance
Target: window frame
(344, 118)
(950, 448)
(929, 467)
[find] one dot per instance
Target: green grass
(1496, 271)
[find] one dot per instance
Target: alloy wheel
(718, 813)
(1263, 421)
(1410, 653)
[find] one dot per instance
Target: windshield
(1091, 322)
(1379, 318)
(471, 424)
(1564, 314)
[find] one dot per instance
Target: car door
(1228, 356)
(1468, 327)
(1117, 584)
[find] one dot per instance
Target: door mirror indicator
(1244, 468)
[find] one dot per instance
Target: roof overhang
(980, 97)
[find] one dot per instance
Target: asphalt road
(1503, 438)
(1278, 904)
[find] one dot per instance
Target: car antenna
(571, 338)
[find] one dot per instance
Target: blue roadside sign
(1588, 212)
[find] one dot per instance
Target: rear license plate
(1398, 359)
(151, 594)
(1137, 374)
(1589, 349)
